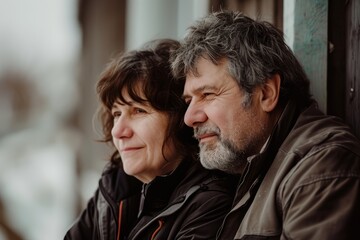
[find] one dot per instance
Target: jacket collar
(259, 164)
(280, 131)
(157, 194)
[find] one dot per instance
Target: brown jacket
(305, 185)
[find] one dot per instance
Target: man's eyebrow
(200, 90)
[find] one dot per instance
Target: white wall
(147, 20)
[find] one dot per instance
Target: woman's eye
(187, 100)
(139, 110)
(116, 114)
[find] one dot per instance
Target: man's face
(228, 130)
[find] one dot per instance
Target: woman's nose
(194, 115)
(121, 128)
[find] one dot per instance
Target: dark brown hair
(148, 67)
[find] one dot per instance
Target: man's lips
(205, 137)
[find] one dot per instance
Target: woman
(153, 188)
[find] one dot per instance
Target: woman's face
(138, 134)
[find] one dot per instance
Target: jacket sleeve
(325, 204)
(97, 221)
(85, 226)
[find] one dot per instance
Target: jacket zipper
(171, 209)
(241, 183)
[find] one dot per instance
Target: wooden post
(337, 58)
(352, 90)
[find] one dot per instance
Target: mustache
(202, 130)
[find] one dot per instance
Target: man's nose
(194, 115)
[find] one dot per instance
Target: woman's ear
(270, 93)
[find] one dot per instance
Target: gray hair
(255, 51)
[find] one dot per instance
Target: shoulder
(319, 144)
(314, 131)
(320, 154)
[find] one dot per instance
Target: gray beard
(223, 156)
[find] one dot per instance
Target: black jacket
(190, 203)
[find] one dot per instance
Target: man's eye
(208, 95)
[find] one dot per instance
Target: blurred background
(52, 52)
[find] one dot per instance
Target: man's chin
(208, 146)
(220, 157)
(206, 164)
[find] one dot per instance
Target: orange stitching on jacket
(161, 223)
(119, 222)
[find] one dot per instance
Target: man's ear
(270, 92)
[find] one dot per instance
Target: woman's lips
(129, 149)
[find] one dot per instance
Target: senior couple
(218, 137)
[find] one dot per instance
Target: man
(252, 112)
